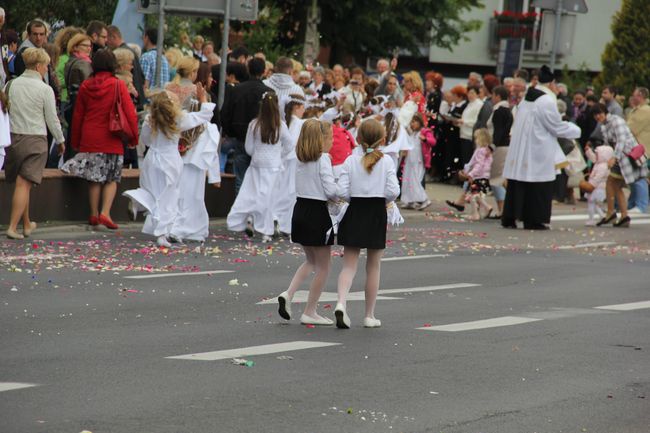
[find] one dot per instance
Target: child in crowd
(162, 167)
(368, 181)
(311, 225)
(595, 186)
(476, 175)
(285, 188)
(267, 142)
(417, 160)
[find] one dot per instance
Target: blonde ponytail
(371, 135)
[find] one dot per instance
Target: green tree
(626, 59)
(263, 35)
(578, 79)
(71, 12)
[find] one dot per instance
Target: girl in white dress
(413, 193)
(368, 181)
(161, 169)
(311, 225)
(285, 188)
(267, 141)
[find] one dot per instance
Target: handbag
(637, 155)
(117, 123)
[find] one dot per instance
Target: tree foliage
(71, 12)
(578, 79)
(264, 35)
(626, 59)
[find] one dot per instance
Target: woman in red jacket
(100, 156)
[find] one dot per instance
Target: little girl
(162, 167)
(285, 187)
(417, 160)
(476, 173)
(267, 141)
(368, 181)
(595, 186)
(311, 225)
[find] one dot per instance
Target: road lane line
(424, 256)
(301, 295)
(587, 245)
(585, 217)
(480, 324)
(626, 307)
(176, 274)
(10, 386)
(32, 257)
(254, 350)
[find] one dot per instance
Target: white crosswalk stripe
(176, 274)
(254, 350)
(480, 324)
(626, 307)
(10, 386)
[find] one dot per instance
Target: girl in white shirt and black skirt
(311, 225)
(368, 181)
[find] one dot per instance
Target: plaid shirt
(619, 136)
(148, 64)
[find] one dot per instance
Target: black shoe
(536, 227)
(507, 223)
(606, 219)
(623, 222)
(458, 207)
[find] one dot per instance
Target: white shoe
(371, 322)
(635, 210)
(342, 319)
(423, 205)
(407, 206)
(163, 242)
(590, 223)
(266, 239)
(284, 306)
(321, 321)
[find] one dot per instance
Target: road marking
(254, 350)
(176, 274)
(480, 324)
(10, 386)
(585, 217)
(32, 257)
(301, 295)
(425, 256)
(427, 288)
(588, 245)
(626, 307)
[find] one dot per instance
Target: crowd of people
(86, 102)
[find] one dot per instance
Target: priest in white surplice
(530, 166)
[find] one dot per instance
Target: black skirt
(480, 186)
(364, 224)
(311, 223)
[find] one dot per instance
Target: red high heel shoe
(107, 222)
(93, 220)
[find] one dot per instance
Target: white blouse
(315, 179)
(470, 116)
(355, 181)
(267, 155)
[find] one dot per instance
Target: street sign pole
(224, 55)
(159, 44)
(556, 35)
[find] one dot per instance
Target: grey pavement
(484, 330)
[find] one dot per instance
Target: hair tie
(370, 150)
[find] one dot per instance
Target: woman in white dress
(267, 141)
(162, 167)
(285, 187)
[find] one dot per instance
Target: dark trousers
(530, 202)
(240, 162)
(466, 151)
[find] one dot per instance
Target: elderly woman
(622, 170)
(78, 68)
(100, 156)
(125, 58)
(467, 122)
(33, 112)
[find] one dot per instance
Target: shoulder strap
(7, 87)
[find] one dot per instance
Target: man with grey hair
(281, 81)
(474, 80)
(318, 88)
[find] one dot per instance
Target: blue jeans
(639, 195)
(240, 162)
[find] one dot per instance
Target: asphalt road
(484, 330)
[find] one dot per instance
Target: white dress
(256, 198)
(413, 173)
(192, 220)
(285, 186)
(160, 173)
(5, 136)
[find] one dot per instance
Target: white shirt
(470, 115)
(355, 181)
(315, 179)
(32, 107)
(534, 149)
(267, 155)
(294, 131)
